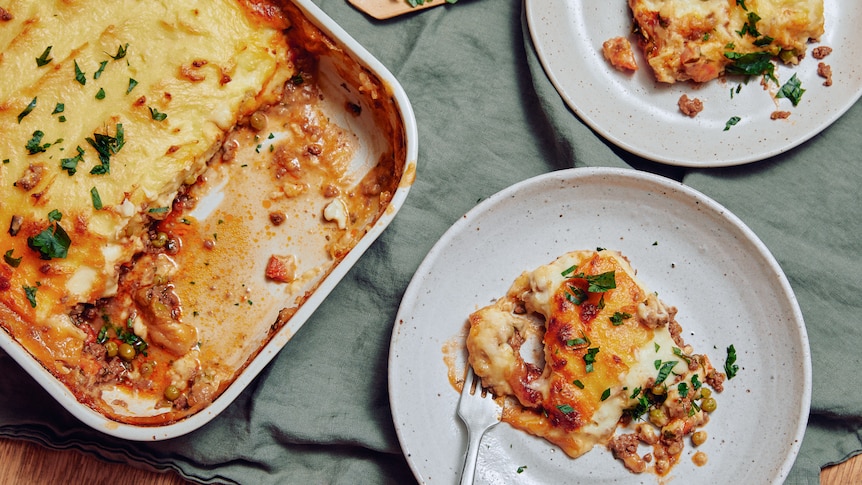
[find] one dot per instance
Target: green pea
(171, 392)
(658, 417)
(704, 392)
(698, 438)
(111, 348)
(160, 240)
(258, 121)
(709, 404)
(126, 352)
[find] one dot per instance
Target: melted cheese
(203, 64)
(594, 352)
(687, 39)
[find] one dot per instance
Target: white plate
(693, 252)
(641, 116)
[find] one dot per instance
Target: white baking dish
(344, 66)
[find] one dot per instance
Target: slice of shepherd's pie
(700, 40)
(610, 353)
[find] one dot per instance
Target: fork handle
(469, 472)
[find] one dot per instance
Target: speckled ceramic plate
(693, 252)
(641, 116)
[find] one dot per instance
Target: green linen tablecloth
(488, 117)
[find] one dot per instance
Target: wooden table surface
(27, 463)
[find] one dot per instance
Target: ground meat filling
(690, 106)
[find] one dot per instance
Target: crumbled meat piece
(716, 380)
(281, 268)
(330, 191)
(181, 402)
(625, 448)
(113, 372)
(619, 52)
(779, 115)
(821, 52)
(277, 218)
(31, 178)
(690, 106)
(825, 71)
(5, 16)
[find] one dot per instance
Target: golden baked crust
(108, 109)
(690, 40)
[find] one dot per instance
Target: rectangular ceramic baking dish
(351, 81)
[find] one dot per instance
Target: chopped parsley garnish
(59, 108)
(583, 340)
(664, 371)
(678, 352)
(101, 69)
(578, 383)
(750, 27)
(730, 367)
(741, 3)
(576, 295)
(296, 79)
(44, 59)
(599, 283)
(103, 335)
(100, 94)
(521, 468)
(618, 317)
(732, 122)
(693, 409)
(762, 41)
(565, 408)
(639, 409)
(34, 145)
(97, 199)
(791, 90)
(70, 165)
(10, 260)
(121, 52)
(606, 394)
(635, 393)
(51, 243)
(106, 146)
(132, 84)
(55, 215)
(602, 282)
(157, 210)
(157, 115)
(695, 382)
(79, 75)
(751, 64)
(682, 388)
(30, 291)
(29, 109)
(590, 358)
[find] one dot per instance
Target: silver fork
(479, 412)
